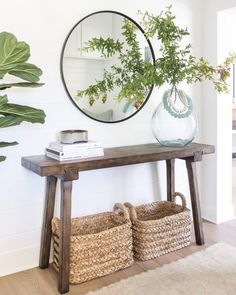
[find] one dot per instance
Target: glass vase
(174, 122)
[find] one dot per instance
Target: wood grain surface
(116, 156)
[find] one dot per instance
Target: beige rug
(208, 272)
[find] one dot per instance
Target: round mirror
(102, 64)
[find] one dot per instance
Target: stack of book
(62, 152)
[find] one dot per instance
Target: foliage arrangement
(176, 63)
(135, 75)
(129, 75)
(13, 62)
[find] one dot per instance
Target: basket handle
(182, 197)
(120, 207)
(132, 210)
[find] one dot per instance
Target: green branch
(176, 63)
(128, 76)
(134, 76)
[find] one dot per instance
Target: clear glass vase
(174, 122)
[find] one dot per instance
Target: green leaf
(12, 52)
(13, 61)
(5, 144)
(27, 72)
(8, 121)
(107, 47)
(20, 84)
(3, 99)
(28, 114)
(2, 158)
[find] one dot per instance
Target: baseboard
(225, 214)
(19, 260)
(209, 214)
(220, 216)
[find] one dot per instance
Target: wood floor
(44, 282)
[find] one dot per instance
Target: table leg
(193, 185)
(48, 215)
(170, 173)
(65, 233)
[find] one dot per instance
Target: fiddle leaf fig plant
(14, 55)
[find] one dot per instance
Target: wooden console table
(68, 171)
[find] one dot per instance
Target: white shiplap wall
(44, 25)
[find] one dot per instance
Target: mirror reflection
(103, 61)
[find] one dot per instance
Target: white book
(63, 147)
(77, 152)
(73, 157)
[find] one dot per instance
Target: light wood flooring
(234, 184)
(44, 282)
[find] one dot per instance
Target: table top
(115, 156)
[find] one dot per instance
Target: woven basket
(100, 244)
(159, 228)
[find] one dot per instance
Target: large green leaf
(13, 61)
(12, 52)
(5, 144)
(3, 99)
(27, 72)
(2, 158)
(8, 121)
(28, 114)
(20, 84)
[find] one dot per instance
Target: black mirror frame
(62, 54)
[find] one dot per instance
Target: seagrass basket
(159, 228)
(100, 244)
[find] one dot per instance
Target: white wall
(216, 118)
(44, 25)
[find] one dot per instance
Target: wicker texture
(100, 244)
(160, 228)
